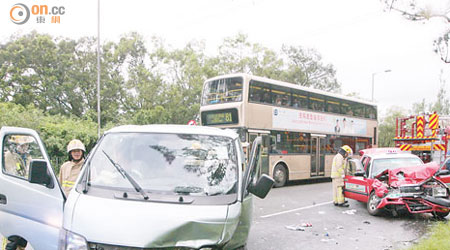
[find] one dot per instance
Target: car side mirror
(39, 173)
(360, 173)
(443, 172)
(262, 186)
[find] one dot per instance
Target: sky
(359, 38)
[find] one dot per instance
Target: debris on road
(306, 225)
(295, 228)
(339, 227)
(350, 211)
(366, 222)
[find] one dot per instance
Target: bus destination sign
(219, 117)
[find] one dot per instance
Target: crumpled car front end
(414, 189)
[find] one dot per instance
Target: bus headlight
(71, 241)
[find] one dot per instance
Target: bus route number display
(218, 117)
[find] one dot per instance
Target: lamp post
(98, 69)
(373, 78)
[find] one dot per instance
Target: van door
(31, 204)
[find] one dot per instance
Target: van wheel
(280, 175)
(372, 204)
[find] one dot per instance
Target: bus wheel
(279, 175)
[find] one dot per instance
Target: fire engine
(425, 135)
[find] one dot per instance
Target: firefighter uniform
(70, 170)
(68, 174)
(17, 165)
(338, 174)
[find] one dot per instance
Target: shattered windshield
(379, 165)
(168, 163)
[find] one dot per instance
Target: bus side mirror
(262, 186)
(39, 173)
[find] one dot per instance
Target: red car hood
(412, 175)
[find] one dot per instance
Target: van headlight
(71, 241)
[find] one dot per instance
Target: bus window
(260, 92)
(222, 90)
(284, 142)
(344, 140)
(361, 143)
(316, 102)
(346, 108)
(329, 145)
(371, 112)
(333, 105)
(281, 96)
(299, 99)
(302, 143)
(358, 109)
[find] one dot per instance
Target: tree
(293, 64)
(305, 68)
(423, 11)
(387, 126)
(55, 130)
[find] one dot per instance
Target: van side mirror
(39, 173)
(262, 186)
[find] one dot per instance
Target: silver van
(141, 187)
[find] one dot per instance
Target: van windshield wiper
(125, 175)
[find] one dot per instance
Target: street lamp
(98, 70)
(373, 78)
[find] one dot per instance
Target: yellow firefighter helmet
(347, 149)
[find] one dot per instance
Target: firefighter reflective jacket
(68, 174)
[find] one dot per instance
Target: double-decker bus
(302, 128)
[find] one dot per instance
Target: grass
(439, 238)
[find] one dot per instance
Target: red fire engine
(425, 135)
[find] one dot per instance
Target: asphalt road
(287, 208)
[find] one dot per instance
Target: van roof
(173, 129)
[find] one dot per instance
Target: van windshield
(188, 164)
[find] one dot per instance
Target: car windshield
(379, 165)
(167, 163)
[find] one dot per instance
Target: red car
(389, 179)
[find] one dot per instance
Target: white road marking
(296, 209)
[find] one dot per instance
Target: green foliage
(439, 238)
(50, 83)
(55, 130)
(387, 126)
(139, 85)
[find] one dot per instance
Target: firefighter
(69, 171)
(17, 160)
(338, 174)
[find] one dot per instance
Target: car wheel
(372, 204)
(279, 175)
(440, 215)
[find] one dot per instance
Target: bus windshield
(222, 91)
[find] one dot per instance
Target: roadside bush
(55, 130)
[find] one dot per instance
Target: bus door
(317, 155)
(264, 156)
